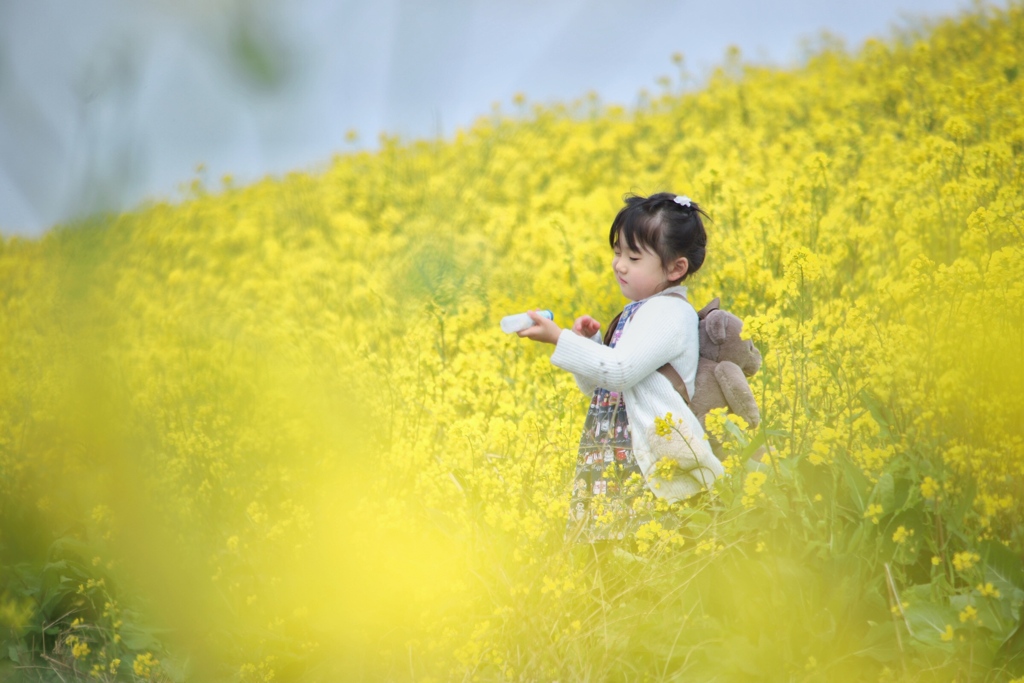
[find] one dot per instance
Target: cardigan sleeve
(586, 385)
(659, 332)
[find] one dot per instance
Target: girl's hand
(543, 330)
(585, 326)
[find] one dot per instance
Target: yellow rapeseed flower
(929, 488)
(315, 371)
(752, 484)
(663, 425)
(988, 590)
(144, 664)
(965, 560)
(873, 511)
(902, 534)
(968, 614)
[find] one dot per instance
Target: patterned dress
(608, 480)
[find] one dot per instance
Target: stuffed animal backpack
(725, 362)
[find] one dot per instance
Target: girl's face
(639, 273)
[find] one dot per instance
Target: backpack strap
(667, 370)
(677, 382)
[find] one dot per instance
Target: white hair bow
(682, 200)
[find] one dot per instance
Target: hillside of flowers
(274, 433)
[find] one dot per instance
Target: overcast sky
(104, 103)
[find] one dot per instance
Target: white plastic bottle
(520, 321)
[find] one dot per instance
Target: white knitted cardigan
(663, 330)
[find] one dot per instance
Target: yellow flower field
(273, 433)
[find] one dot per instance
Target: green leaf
(905, 495)
(994, 617)
(66, 546)
(991, 614)
(737, 433)
(752, 447)
(756, 466)
(139, 637)
(965, 501)
(928, 621)
(59, 565)
(880, 642)
(883, 416)
(51, 601)
(857, 538)
(857, 485)
(696, 518)
(884, 492)
(1010, 654)
(1002, 567)
(15, 651)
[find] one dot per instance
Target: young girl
(658, 242)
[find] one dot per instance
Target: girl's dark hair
(661, 224)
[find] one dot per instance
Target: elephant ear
(712, 306)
